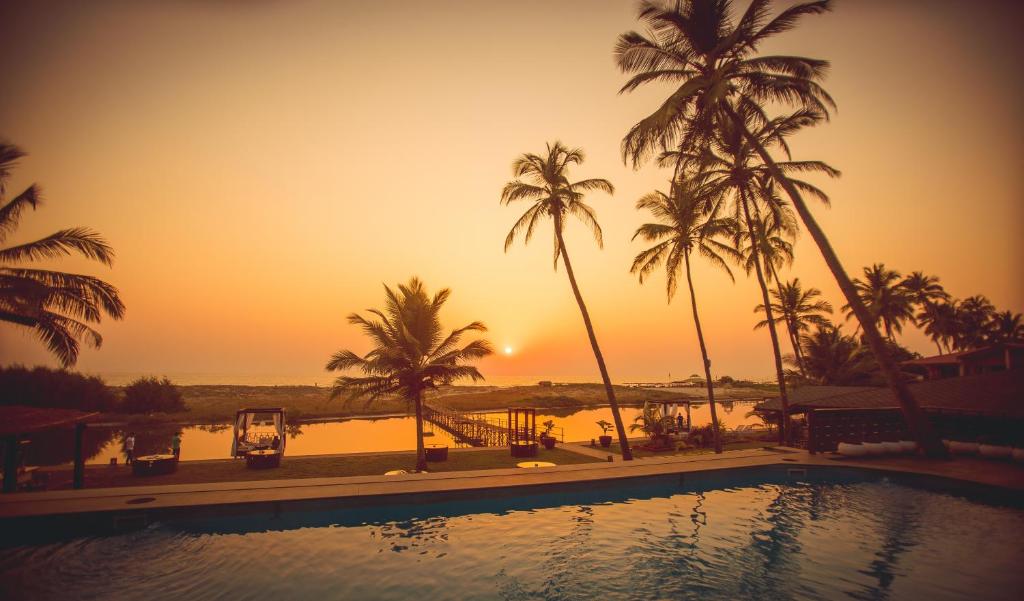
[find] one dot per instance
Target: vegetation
(687, 222)
(722, 83)
(656, 426)
(411, 353)
(58, 307)
(799, 309)
(55, 388)
(152, 395)
(548, 187)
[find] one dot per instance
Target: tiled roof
(1000, 393)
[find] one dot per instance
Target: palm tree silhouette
(687, 222)
(885, 298)
(714, 62)
(799, 309)
(411, 354)
(547, 186)
(1006, 327)
(58, 306)
(832, 358)
(939, 322)
(973, 315)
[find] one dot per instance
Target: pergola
(19, 420)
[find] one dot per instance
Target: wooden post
(689, 425)
(812, 431)
(79, 456)
(11, 463)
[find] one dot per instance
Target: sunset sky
(261, 168)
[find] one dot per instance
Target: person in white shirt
(129, 448)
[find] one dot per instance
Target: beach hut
(259, 436)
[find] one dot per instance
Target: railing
(474, 429)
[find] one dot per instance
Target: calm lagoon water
(344, 436)
(745, 535)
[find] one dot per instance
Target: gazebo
(19, 420)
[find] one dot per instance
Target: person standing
(129, 448)
(176, 445)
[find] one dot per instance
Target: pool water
(743, 535)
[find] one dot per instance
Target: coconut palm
(923, 290)
(553, 196)
(799, 309)
(411, 354)
(734, 169)
(57, 306)
(832, 358)
(687, 223)
(973, 316)
(1006, 327)
(886, 299)
(939, 322)
(714, 64)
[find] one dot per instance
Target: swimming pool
(768, 533)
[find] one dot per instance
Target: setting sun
(508, 350)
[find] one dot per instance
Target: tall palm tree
(553, 196)
(411, 354)
(939, 322)
(57, 306)
(1006, 327)
(799, 309)
(735, 169)
(973, 316)
(885, 298)
(687, 223)
(923, 290)
(715, 66)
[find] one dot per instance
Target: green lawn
(325, 466)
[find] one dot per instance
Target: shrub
(54, 388)
(150, 395)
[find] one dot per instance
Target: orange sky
(262, 167)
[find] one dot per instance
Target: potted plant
(546, 438)
(606, 440)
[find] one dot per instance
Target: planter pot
(992, 451)
(851, 449)
(548, 442)
(1018, 455)
(963, 448)
(606, 441)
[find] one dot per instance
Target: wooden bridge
(474, 429)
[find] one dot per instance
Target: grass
(218, 403)
(322, 466)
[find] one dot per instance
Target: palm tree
(547, 186)
(939, 321)
(973, 316)
(687, 222)
(799, 309)
(1006, 327)
(734, 169)
(923, 290)
(885, 298)
(834, 359)
(57, 306)
(714, 62)
(411, 354)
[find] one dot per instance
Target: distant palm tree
(1006, 327)
(940, 322)
(835, 359)
(924, 290)
(714, 64)
(973, 316)
(886, 299)
(547, 186)
(411, 354)
(799, 309)
(687, 223)
(58, 306)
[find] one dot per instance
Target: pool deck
(118, 501)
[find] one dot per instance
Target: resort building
(988, 359)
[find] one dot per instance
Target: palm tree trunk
(919, 425)
(756, 255)
(421, 455)
(704, 354)
(627, 455)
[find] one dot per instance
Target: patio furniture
(262, 459)
(154, 465)
(436, 452)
